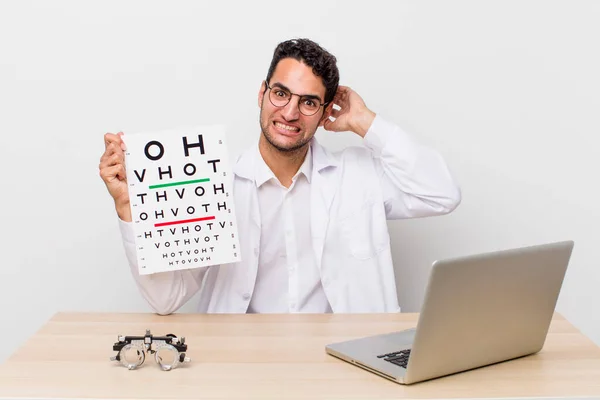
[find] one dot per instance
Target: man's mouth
(284, 129)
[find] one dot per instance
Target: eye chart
(180, 190)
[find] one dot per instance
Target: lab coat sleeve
(166, 292)
(415, 179)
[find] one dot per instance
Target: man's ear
(326, 114)
(261, 93)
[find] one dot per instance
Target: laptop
(478, 310)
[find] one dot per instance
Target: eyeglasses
(308, 105)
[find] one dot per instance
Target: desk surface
(271, 356)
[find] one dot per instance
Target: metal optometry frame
(169, 351)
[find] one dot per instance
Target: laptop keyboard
(399, 357)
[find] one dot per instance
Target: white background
(507, 91)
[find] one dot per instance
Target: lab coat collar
(245, 166)
(263, 173)
(322, 191)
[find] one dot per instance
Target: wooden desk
(271, 357)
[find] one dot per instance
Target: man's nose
(291, 112)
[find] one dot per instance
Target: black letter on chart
(214, 164)
(140, 178)
(141, 196)
(185, 169)
(201, 193)
(167, 172)
(161, 150)
(187, 147)
(219, 188)
(161, 196)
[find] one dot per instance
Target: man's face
(286, 128)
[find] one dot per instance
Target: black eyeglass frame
(300, 96)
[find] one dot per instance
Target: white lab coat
(353, 192)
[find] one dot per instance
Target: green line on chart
(178, 183)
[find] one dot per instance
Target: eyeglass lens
(280, 97)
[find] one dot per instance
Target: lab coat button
(246, 296)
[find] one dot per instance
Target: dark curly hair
(310, 53)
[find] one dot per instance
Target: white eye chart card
(180, 189)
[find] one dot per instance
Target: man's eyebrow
(310, 96)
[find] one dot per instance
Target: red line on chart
(185, 221)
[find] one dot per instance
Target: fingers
(123, 146)
(338, 99)
(341, 98)
(330, 125)
(113, 153)
(110, 138)
(112, 162)
(114, 159)
(343, 89)
(109, 174)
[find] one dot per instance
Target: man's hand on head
(353, 116)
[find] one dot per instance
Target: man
(312, 224)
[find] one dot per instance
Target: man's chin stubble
(288, 150)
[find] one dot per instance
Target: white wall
(506, 90)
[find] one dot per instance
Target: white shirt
(352, 193)
(288, 279)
